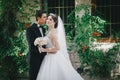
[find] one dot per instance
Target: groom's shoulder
(33, 25)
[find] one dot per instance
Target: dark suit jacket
(35, 57)
(32, 33)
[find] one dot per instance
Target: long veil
(62, 39)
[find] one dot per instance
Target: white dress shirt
(40, 29)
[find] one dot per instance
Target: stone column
(77, 2)
(73, 54)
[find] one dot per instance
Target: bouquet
(40, 41)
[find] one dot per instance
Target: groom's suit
(35, 58)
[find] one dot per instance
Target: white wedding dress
(57, 66)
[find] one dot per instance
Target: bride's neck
(50, 29)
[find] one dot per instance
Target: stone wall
(74, 59)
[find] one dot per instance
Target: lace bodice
(49, 37)
(49, 42)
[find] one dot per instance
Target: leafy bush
(87, 29)
(13, 46)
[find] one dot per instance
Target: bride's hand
(41, 49)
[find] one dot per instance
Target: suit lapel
(37, 31)
(43, 31)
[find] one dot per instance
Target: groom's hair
(39, 13)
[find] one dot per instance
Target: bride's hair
(55, 18)
(59, 25)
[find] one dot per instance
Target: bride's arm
(55, 46)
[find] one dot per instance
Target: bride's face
(50, 22)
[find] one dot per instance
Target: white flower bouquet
(40, 41)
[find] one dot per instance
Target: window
(109, 10)
(60, 7)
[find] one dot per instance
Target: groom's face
(42, 19)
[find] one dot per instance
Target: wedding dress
(57, 66)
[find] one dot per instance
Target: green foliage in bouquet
(87, 29)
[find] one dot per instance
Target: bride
(56, 64)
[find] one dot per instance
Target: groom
(34, 31)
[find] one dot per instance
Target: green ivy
(87, 29)
(13, 45)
